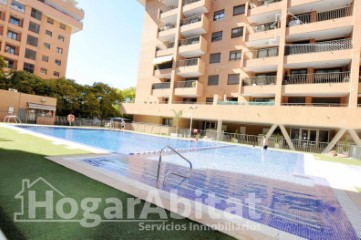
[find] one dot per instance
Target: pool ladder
(172, 173)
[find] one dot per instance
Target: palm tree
(177, 116)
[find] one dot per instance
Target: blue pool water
(289, 201)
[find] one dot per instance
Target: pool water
(289, 200)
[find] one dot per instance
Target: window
(31, 40)
(36, 14)
(62, 26)
(10, 49)
(45, 58)
(29, 67)
(235, 55)
(34, 27)
(209, 100)
(267, 52)
(57, 62)
(30, 54)
(14, 21)
(43, 71)
(12, 35)
(61, 38)
(216, 36)
(17, 6)
(47, 45)
(9, 63)
(237, 32)
(213, 80)
(50, 21)
(49, 33)
(238, 10)
(59, 50)
(56, 74)
(219, 15)
(233, 79)
(215, 58)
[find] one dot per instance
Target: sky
(107, 49)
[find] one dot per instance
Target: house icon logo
(37, 201)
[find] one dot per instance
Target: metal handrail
(326, 46)
(172, 173)
(259, 80)
(190, 41)
(165, 85)
(190, 20)
(314, 78)
(188, 62)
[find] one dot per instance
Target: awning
(164, 59)
(41, 106)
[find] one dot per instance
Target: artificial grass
(347, 161)
(22, 157)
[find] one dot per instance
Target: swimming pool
(290, 201)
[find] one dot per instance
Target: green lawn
(22, 157)
(347, 161)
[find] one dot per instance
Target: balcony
(194, 26)
(261, 60)
(195, 7)
(341, 23)
(333, 53)
(165, 50)
(332, 84)
(166, 33)
(259, 86)
(190, 88)
(168, 14)
(264, 11)
(193, 67)
(263, 35)
(192, 47)
(161, 89)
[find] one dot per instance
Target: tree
(177, 116)
(128, 94)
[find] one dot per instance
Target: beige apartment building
(35, 35)
(253, 67)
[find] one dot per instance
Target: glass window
(235, 55)
(219, 15)
(56, 74)
(29, 67)
(36, 14)
(10, 49)
(47, 45)
(50, 21)
(34, 27)
(62, 26)
(31, 40)
(49, 33)
(58, 62)
(45, 58)
(17, 6)
(237, 32)
(233, 79)
(43, 71)
(12, 35)
(14, 21)
(216, 36)
(213, 80)
(59, 50)
(215, 58)
(30, 54)
(61, 38)
(237, 10)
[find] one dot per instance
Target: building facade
(35, 35)
(253, 67)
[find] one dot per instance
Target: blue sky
(107, 49)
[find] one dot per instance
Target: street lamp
(190, 125)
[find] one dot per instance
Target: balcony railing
(165, 85)
(191, 20)
(188, 62)
(316, 104)
(264, 80)
(166, 27)
(327, 46)
(337, 77)
(168, 45)
(186, 2)
(267, 52)
(320, 16)
(186, 84)
(167, 9)
(266, 26)
(189, 41)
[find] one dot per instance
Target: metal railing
(188, 62)
(186, 2)
(168, 45)
(335, 13)
(315, 104)
(327, 46)
(264, 80)
(186, 84)
(190, 41)
(167, 9)
(161, 85)
(269, 103)
(266, 26)
(267, 52)
(166, 27)
(191, 20)
(315, 78)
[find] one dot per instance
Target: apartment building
(35, 35)
(253, 67)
